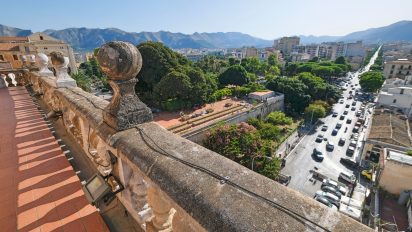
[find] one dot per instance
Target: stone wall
(259, 111)
(170, 182)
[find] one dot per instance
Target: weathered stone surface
(2, 81)
(122, 62)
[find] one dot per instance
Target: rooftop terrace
(169, 182)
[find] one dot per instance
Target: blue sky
(266, 19)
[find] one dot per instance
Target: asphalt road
(300, 161)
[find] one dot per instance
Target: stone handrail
(172, 183)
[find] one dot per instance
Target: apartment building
(397, 93)
(397, 69)
(286, 44)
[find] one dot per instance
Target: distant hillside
(87, 39)
(400, 31)
(11, 31)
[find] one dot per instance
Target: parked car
(354, 103)
(352, 143)
(342, 117)
(345, 112)
(317, 154)
(319, 138)
(325, 201)
(334, 114)
(330, 146)
(336, 185)
(330, 189)
(350, 178)
(341, 142)
(355, 129)
(350, 151)
(348, 121)
(349, 163)
(347, 106)
(324, 128)
(332, 198)
(341, 101)
(353, 108)
(335, 132)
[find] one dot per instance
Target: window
(401, 91)
(407, 73)
(1, 58)
(401, 66)
(26, 49)
(41, 37)
(394, 101)
(399, 72)
(410, 67)
(391, 71)
(15, 57)
(45, 48)
(393, 66)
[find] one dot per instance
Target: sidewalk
(39, 190)
(287, 146)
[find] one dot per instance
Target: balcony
(170, 183)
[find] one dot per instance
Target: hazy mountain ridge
(90, 38)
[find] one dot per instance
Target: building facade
(397, 94)
(397, 69)
(286, 44)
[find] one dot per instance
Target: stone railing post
(122, 62)
(60, 64)
(163, 212)
(43, 61)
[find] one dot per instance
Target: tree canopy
(234, 75)
(371, 81)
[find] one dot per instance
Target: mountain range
(86, 39)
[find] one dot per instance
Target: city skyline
(263, 19)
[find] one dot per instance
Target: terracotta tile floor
(39, 191)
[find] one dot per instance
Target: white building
(397, 94)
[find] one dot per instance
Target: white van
(348, 177)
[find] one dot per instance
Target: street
(300, 162)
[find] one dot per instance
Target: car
(334, 114)
(330, 189)
(338, 125)
(341, 142)
(367, 174)
(350, 151)
(318, 154)
(351, 85)
(355, 129)
(325, 201)
(347, 106)
(354, 103)
(350, 97)
(341, 101)
(349, 163)
(358, 113)
(352, 143)
(324, 128)
(332, 198)
(335, 132)
(345, 112)
(319, 138)
(330, 146)
(350, 91)
(342, 117)
(350, 178)
(353, 108)
(348, 121)
(336, 185)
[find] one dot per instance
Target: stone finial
(43, 62)
(32, 59)
(10, 77)
(122, 62)
(60, 63)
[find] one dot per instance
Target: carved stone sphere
(57, 58)
(120, 60)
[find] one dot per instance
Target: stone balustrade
(172, 184)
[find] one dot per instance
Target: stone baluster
(122, 62)
(32, 60)
(2, 81)
(42, 62)
(60, 64)
(162, 212)
(9, 80)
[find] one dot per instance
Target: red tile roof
(13, 39)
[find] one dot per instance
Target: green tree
(340, 60)
(234, 75)
(314, 111)
(295, 91)
(82, 81)
(174, 85)
(371, 81)
(233, 61)
(273, 60)
(278, 118)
